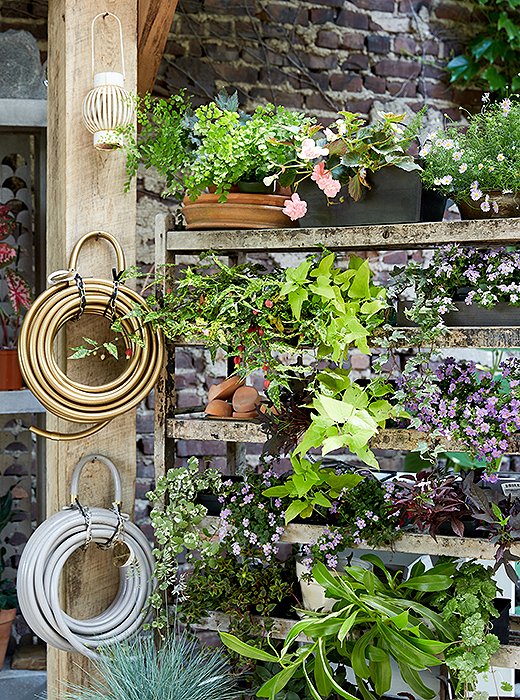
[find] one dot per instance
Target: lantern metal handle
(105, 14)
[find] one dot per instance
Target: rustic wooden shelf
(408, 543)
(455, 337)
(380, 237)
(251, 431)
(506, 657)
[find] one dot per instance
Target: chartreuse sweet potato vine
(254, 314)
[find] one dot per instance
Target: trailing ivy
(492, 58)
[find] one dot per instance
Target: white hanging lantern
(108, 106)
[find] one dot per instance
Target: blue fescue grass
(178, 670)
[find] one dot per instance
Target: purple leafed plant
(18, 292)
(467, 404)
(427, 500)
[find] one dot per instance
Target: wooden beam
(85, 192)
(154, 23)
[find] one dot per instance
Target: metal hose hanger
(68, 297)
(54, 542)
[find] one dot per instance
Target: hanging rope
(54, 542)
(68, 298)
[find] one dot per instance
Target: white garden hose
(44, 557)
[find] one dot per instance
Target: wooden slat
(250, 431)
(506, 657)
(382, 237)
(455, 337)
(155, 19)
(409, 543)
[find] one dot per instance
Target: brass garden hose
(68, 297)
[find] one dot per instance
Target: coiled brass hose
(68, 399)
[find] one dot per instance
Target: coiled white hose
(44, 557)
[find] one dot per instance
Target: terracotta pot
(508, 206)
(225, 390)
(6, 622)
(10, 375)
(245, 415)
(219, 409)
(240, 211)
(246, 399)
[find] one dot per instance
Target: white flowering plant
(479, 163)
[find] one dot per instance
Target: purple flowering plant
(361, 514)
(251, 524)
(463, 402)
(484, 277)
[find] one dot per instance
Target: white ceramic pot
(313, 594)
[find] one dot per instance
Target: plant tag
(511, 488)
(122, 555)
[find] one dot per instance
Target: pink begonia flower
(330, 186)
(311, 150)
(319, 172)
(295, 207)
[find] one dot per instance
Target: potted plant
(176, 668)
(216, 157)
(367, 165)
(459, 286)
(478, 166)
(385, 624)
(8, 598)
(11, 311)
(465, 403)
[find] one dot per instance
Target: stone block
(22, 73)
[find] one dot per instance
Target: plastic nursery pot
(210, 500)
(433, 205)
(10, 374)
(394, 197)
(500, 624)
(508, 206)
(240, 211)
(501, 314)
(313, 594)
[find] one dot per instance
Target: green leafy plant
(491, 59)
(311, 485)
(215, 145)
(478, 164)
(179, 669)
(346, 414)
(177, 522)
(375, 618)
(468, 608)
